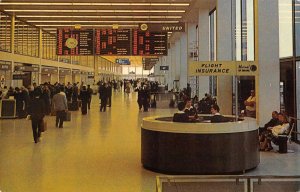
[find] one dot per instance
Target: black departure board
(149, 43)
(75, 42)
(112, 42)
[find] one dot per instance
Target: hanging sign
(165, 27)
(223, 68)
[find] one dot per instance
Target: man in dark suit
(217, 117)
(103, 94)
(37, 111)
(181, 116)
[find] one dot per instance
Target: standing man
(250, 104)
(37, 111)
(109, 94)
(189, 90)
(103, 94)
(90, 91)
(60, 106)
(84, 96)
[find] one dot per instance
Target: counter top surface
(204, 127)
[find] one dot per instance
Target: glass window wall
(49, 46)
(5, 32)
(26, 39)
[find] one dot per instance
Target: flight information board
(75, 42)
(149, 43)
(112, 42)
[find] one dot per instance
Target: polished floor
(96, 152)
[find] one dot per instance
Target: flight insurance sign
(223, 68)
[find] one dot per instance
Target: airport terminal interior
(154, 95)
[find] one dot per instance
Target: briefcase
(43, 126)
(68, 116)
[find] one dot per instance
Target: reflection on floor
(96, 152)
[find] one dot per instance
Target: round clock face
(71, 43)
(144, 27)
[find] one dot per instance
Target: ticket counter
(200, 147)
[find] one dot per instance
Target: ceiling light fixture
(96, 4)
(95, 11)
(105, 21)
(100, 16)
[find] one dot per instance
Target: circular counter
(200, 147)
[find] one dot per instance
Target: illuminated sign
(222, 68)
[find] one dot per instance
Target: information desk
(199, 147)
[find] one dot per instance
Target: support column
(269, 66)
(172, 76)
(224, 53)
(203, 50)
(12, 47)
(177, 60)
(169, 79)
(183, 61)
(40, 55)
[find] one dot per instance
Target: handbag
(43, 126)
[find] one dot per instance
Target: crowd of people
(35, 102)
(57, 99)
(187, 113)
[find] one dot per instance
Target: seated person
(190, 110)
(272, 133)
(217, 117)
(273, 122)
(181, 116)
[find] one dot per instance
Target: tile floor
(96, 152)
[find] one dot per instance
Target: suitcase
(68, 116)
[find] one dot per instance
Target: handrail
(230, 177)
(248, 179)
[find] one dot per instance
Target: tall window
(297, 27)
(286, 28)
(244, 30)
(213, 49)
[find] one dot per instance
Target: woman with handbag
(37, 110)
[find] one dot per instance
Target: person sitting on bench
(272, 132)
(273, 122)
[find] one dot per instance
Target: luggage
(8, 108)
(43, 126)
(68, 116)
